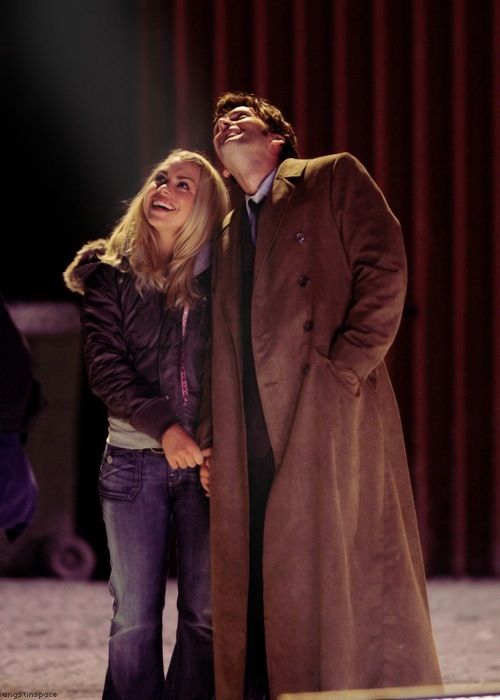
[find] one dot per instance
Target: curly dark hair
(270, 115)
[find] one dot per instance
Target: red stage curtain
(411, 87)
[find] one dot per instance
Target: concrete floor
(53, 634)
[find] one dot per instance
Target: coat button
(308, 325)
(305, 369)
(109, 459)
(303, 280)
(300, 238)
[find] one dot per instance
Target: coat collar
(290, 168)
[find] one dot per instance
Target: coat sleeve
(110, 368)
(374, 249)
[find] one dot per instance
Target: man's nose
(223, 124)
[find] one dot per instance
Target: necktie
(254, 216)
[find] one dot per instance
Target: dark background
(95, 92)
(70, 137)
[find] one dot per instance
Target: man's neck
(250, 175)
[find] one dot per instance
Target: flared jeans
(144, 501)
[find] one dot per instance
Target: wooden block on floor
(470, 691)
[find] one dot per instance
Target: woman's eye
(183, 185)
(160, 179)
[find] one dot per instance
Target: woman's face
(169, 199)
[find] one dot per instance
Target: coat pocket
(348, 378)
(120, 476)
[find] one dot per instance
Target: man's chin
(227, 154)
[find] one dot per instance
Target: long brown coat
(344, 588)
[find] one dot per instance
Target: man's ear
(276, 143)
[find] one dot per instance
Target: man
(317, 574)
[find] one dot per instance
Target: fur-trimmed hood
(88, 258)
(84, 263)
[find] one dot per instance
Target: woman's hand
(205, 470)
(181, 451)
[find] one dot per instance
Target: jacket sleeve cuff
(155, 418)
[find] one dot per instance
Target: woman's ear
(226, 173)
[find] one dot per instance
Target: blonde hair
(135, 239)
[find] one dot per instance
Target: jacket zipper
(183, 375)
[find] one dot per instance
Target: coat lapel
(274, 209)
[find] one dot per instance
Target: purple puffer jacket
(136, 350)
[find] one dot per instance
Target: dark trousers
(260, 476)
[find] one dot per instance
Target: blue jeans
(143, 502)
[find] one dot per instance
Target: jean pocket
(186, 474)
(120, 474)
(187, 479)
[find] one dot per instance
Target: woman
(145, 320)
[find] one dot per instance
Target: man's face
(238, 132)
